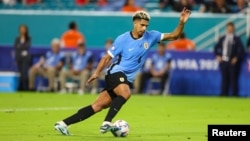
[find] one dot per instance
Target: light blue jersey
(132, 52)
(52, 59)
(159, 62)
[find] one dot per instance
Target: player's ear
(134, 22)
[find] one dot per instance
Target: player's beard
(140, 33)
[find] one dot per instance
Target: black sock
(115, 107)
(81, 115)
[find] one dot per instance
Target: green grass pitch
(31, 116)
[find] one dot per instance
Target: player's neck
(135, 35)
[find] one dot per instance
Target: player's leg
(122, 92)
(103, 101)
(119, 89)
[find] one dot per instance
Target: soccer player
(131, 48)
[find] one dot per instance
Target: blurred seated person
(48, 66)
(102, 2)
(179, 5)
(181, 44)
(80, 67)
(240, 6)
(72, 37)
(163, 4)
(82, 2)
(8, 2)
(159, 68)
(216, 6)
(108, 44)
(129, 6)
(31, 2)
(248, 44)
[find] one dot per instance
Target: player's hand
(185, 15)
(92, 78)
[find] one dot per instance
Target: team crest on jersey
(145, 45)
(122, 79)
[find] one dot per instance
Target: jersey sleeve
(156, 35)
(116, 48)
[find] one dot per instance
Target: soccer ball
(123, 128)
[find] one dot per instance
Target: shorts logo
(145, 45)
(121, 79)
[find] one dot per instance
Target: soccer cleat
(62, 128)
(107, 126)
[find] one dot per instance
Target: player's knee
(98, 107)
(126, 95)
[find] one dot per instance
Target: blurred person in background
(108, 44)
(102, 2)
(81, 64)
(72, 37)
(248, 44)
(8, 2)
(217, 6)
(31, 2)
(48, 66)
(130, 6)
(229, 52)
(159, 68)
(22, 55)
(163, 4)
(181, 44)
(179, 5)
(240, 6)
(82, 2)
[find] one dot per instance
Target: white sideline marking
(37, 109)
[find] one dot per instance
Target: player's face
(140, 26)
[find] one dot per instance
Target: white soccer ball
(123, 128)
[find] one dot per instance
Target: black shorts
(113, 80)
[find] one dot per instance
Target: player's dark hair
(139, 15)
(72, 25)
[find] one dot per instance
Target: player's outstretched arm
(178, 30)
(104, 62)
